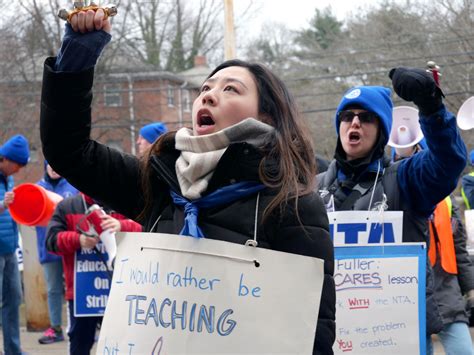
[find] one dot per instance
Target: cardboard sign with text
(181, 295)
(380, 292)
(366, 227)
(91, 282)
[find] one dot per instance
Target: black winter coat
(449, 288)
(114, 178)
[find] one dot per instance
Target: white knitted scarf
(200, 154)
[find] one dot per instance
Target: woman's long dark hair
(290, 150)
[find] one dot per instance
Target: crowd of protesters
(249, 150)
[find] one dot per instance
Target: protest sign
(365, 227)
(380, 292)
(181, 295)
(91, 282)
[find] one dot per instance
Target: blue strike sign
(91, 282)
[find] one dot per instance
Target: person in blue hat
(14, 155)
(148, 135)
(52, 264)
(467, 185)
(362, 177)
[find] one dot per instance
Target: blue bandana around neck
(219, 197)
(371, 168)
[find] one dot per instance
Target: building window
(186, 100)
(112, 95)
(170, 95)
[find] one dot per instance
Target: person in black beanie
(361, 177)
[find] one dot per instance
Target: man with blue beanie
(14, 154)
(52, 264)
(467, 185)
(361, 177)
(148, 135)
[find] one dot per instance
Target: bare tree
(45, 27)
(274, 46)
(167, 35)
(373, 41)
(456, 53)
(207, 31)
(147, 28)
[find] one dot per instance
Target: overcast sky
(297, 13)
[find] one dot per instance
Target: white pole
(132, 114)
(229, 33)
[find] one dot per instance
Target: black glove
(417, 85)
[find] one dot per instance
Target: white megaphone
(406, 131)
(465, 117)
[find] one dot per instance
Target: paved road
(30, 345)
(29, 341)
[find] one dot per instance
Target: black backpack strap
(357, 191)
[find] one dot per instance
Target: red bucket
(33, 205)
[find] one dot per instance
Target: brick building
(123, 102)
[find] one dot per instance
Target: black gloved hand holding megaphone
(417, 85)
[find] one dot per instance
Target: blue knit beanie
(471, 157)
(371, 98)
(16, 149)
(152, 131)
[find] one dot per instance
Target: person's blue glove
(80, 51)
(417, 85)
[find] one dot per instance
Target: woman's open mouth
(354, 137)
(205, 123)
(204, 118)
